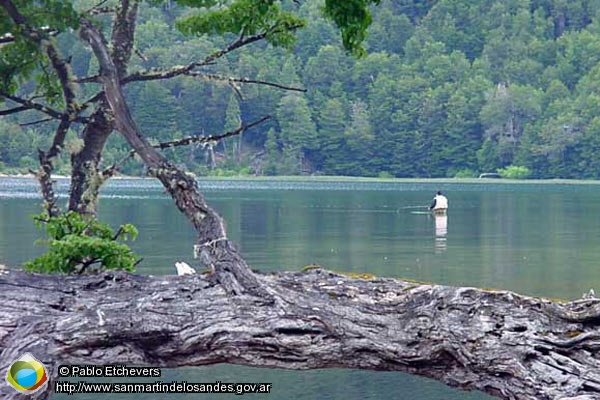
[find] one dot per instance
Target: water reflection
(441, 230)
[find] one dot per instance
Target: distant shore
(67, 177)
(333, 178)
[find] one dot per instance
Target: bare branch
(236, 90)
(141, 55)
(42, 108)
(94, 99)
(39, 121)
(151, 75)
(208, 60)
(88, 79)
(101, 10)
(205, 139)
(7, 38)
(113, 169)
(216, 77)
(13, 110)
(243, 41)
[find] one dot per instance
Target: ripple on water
(27, 187)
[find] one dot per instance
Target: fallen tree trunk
(498, 342)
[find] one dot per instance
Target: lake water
(537, 239)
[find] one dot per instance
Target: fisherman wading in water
(439, 204)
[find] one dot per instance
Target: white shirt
(441, 202)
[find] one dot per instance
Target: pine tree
(298, 132)
(273, 155)
(232, 122)
(331, 126)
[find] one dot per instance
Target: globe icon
(26, 377)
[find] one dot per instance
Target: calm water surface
(537, 239)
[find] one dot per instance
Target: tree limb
(86, 176)
(217, 77)
(7, 38)
(497, 342)
(113, 169)
(94, 99)
(123, 34)
(39, 121)
(31, 105)
(88, 79)
(101, 10)
(209, 59)
(14, 110)
(214, 138)
(44, 174)
(98, 5)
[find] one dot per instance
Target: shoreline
(336, 178)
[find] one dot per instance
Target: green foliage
(250, 17)
(465, 173)
(449, 87)
(227, 172)
(353, 18)
(297, 127)
(514, 172)
(78, 244)
(21, 60)
(242, 17)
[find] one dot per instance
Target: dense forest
(448, 88)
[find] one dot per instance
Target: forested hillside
(448, 88)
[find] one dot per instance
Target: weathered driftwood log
(498, 342)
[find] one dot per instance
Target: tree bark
(213, 247)
(86, 175)
(497, 342)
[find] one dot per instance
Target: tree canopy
(448, 88)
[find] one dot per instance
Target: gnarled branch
(232, 79)
(44, 173)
